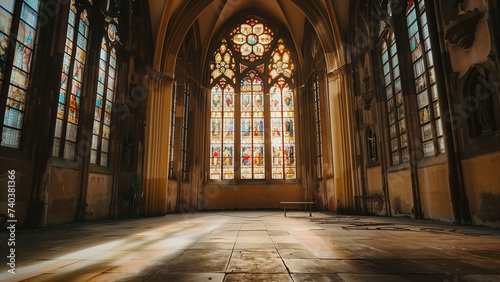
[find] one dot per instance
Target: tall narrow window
(398, 141)
(425, 79)
(71, 84)
(222, 132)
(185, 123)
(252, 127)
(104, 100)
(172, 133)
(317, 111)
(283, 135)
(18, 37)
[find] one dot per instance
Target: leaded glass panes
(252, 39)
(253, 117)
(22, 46)
(281, 63)
(68, 109)
(222, 131)
(185, 139)
(425, 79)
(223, 63)
(172, 132)
(282, 131)
(317, 110)
(395, 109)
(104, 104)
(252, 127)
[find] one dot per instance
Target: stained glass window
(281, 62)
(222, 131)
(317, 110)
(223, 63)
(71, 84)
(282, 131)
(172, 132)
(251, 43)
(16, 71)
(104, 102)
(185, 123)
(252, 39)
(252, 127)
(425, 79)
(398, 141)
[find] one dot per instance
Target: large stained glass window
(71, 84)
(260, 72)
(104, 100)
(398, 141)
(252, 127)
(15, 70)
(425, 79)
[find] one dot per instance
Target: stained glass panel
(252, 39)
(222, 131)
(14, 112)
(425, 78)
(69, 105)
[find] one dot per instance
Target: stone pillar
(157, 138)
(343, 143)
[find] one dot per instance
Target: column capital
(339, 72)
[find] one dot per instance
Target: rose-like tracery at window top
(260, 103)
(252, 39)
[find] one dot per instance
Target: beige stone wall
(98, 196)
(248, 196)
(482, 184)
(65, 187)
(435, 193)
(400, 195)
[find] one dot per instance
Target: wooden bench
(298, 203)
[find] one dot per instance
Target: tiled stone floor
(256, 246)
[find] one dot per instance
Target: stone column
(343, 143)
(157, 138)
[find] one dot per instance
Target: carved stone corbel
(462, 31)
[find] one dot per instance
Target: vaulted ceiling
(329, 17)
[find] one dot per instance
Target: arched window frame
(394, 100)
(74, 62)
(425, 79)
(260, 67)
(105, 94)
(19, 27)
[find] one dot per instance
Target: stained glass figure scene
(67, 117)
(252, 127)
(251, 42)
(222, 131)
(22, 46)
(282, 131)
(103, 105)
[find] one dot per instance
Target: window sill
(100, 169)
(65, 163)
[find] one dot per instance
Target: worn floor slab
(255, 246)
